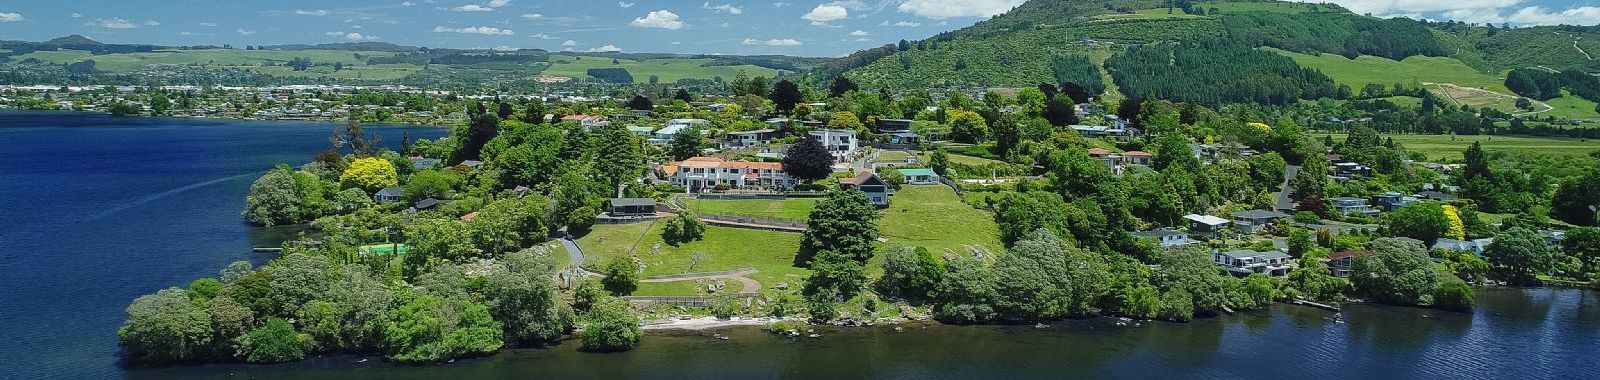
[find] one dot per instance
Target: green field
(797, 209)
(771, 253)
(669, 70)
(1368, 69)
(1571, 107)
(932, 216)
(1441, 148)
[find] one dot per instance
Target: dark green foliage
(844, 223)
(482, 130)
(611, 327)
(1545, 85)
(841, 84)
(521, 293)
(686, 143)
(835, 274)
(683, 95)
(1397, 272)
(1214, 72)
(683, 228)
(1425, 221)
(808, 160)
(967, 293)
(640, 103)
(1344, 34)
(785, 95)
(1453, 294)
(910, 274)
(621, 276)
(166, 327)
(1519, 255)
(1078, 71)
(429, 328)
(611, 75)
(274, 342)
(1059, 111)
(1577, 200)
(1049, 278)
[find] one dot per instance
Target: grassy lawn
(1439, 147)
(932, 216)
(669, 69)
(771, 253)
(1368, 69)
(925, 158)
(1570, 107)
(797, 209)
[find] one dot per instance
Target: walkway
(1285, 199)
(749, 286)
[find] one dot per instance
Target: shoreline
(333, 121)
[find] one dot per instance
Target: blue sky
(791, 27)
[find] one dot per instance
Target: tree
(618, 157)
(1172, 149)
(1312, 179)
(683, 228)
(1425, 221)
(521, 293)
(505, 111)
(621, 276)
(808, 160)
(640, 103)
(1300, 242)
(350, 200)
(841, 85)
(1396, 272)
(835, 276)
(432, 183)
(1047, 278)
(429, 328)
(165, 327)
(1577, 200)
(940, 162)
(967, 292)
(611, 327)
(1060, 112)
(966, 126)
(1453, 294)
(844, 222)
(845, 120)
(1519, 255)
(274, 342)
(370, 174)
(534, 113)
(273, 199)
(1007, 134)
(482, 129)
(910, 274)
(785, 95)
(686, 143)
(435, 239)
(683, 95)
(159, 103)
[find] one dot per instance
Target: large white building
(702, 173)
(841, 143)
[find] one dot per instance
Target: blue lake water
(96, 210)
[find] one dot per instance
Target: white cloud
(313, 12)
(781, 4)
(604, 49)
(825, 13)
(472, 8)
(531, 15)
(943, 9)
(903, 24)
(1387, 8)
(151, 23)
(1540, 16)
(773, 42)
(486, 30)
(719, 8)
(244, 32)
(863, 39)
(664, 19)
(351, 36)
(112, 23)
(859, 33)
(407, 4)
(569, 43)
(10, 17)
(496, 3)
(504, 48)
(543, 36)
(74, 15)
(625, 4)
(208, 24)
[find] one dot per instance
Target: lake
(96, 210)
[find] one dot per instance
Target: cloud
(903, 24)
(604, 49)
(859, 33)
(664, 19)
(244, 32)
(625, 4)
(543, 36)
(472, 8)
(407, 4)
(825, 13)
(943, 9)
(351, 36)
(1540, 16)
(74, 15)
(496, 3)
(532, 15)
(730, 8)
(151, 23)
(504, 48)
(313, 12)
(781, 4)
(112, 23)
(486, 30)
(773, 42)
(208, 24)
(569, 43)
(10, 17)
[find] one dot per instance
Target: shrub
(274, 342)
(611, 327)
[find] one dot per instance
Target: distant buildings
(1167, 238)
(706, 173)
(1245, 263)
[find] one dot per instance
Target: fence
(953, 185)
(754, 220)
(688, 301)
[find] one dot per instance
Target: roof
(427, 203)
(469, 216)
(861, 177)
(917, 172)
(1259, 214)
(1098, 152)
(1157, 233)
(755, 132)
(392, 191)
(1347, 254)
(636, 128)
(1250, 254)
(672, 129)
(713, 162)
(1136, 153)
(1206, 219)
(630, 202)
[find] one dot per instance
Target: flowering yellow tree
(370, 174)
(1259, 127)
(1458, 229)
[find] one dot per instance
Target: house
(425, 204)
(1346, 169)
(1107, 157)
(1392, 200)
(893, 125)
(389, 195)
(1254, 221)
(1135, 157)
(471, 216)
(471, 164)
(698, 174)
(587, 121)
(921, 176)
(665, 134)
(420, 163)
(1245, 263)
(1167, 238)
(1348, 205)
(1476, 246)
(841, 142)
(640, 131)
(1205, 224)
(1340, 263)
(1438, 196)
(689, 123)
(867, 181)
(750, 138)
(632, 206)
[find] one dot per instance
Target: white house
(841, 142)
(702, 173)
(1245, 263)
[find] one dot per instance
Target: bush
(1177, 305)
(1453, 294)
(622, 276)
(683, 228)
(1307, 217)
(782, 327)
(274, 342)
(611, 327)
